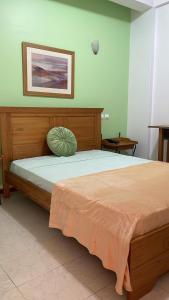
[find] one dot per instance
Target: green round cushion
(62, 141)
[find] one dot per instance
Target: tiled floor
(38, 263)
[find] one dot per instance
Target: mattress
(45, 171)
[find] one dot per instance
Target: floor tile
(35, 221)
(156, 294)
(163, 282)
(13, 238)
(108, 293)
(57, 284)
(93, 297)
(12, 294)
(5, 283)
(18, 227)
(29, 265)
(7, 224)
(12, 244)
(40, 258)
(89, 270)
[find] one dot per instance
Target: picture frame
(47, 71)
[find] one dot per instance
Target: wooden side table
(163, 135)
(119, 144)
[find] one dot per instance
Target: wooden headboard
(24, 129)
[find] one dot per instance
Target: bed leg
(141, 291)
(6, 190)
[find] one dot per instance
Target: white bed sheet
(44, 171)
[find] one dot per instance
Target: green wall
(100, 81)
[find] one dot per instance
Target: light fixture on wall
(95, 46)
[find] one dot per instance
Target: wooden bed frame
(23, 134)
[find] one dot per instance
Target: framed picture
(47, 71)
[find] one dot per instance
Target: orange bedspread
(104, 211)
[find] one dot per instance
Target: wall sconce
(95, 46)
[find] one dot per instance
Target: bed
(23, 135)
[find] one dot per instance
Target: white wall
(149, 78)
(140, 79)
(160, 109)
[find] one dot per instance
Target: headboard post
(6, 148)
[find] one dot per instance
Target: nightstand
(119, 144)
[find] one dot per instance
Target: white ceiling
(136, 5)
(160, 2)
(140, 5)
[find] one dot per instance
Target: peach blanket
(104, 211)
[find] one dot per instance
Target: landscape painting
(48, 71)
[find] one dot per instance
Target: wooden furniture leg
(6, 190)
(161, 144)
(6, 185)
